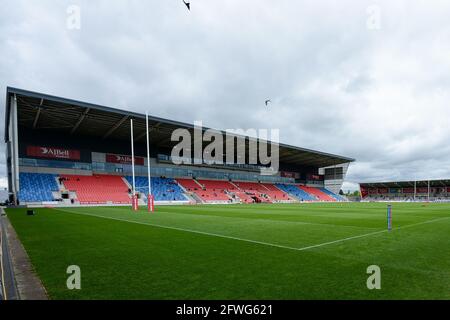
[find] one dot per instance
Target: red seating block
(320, 195)
(264, 192)
(97, 189)
(208, 190)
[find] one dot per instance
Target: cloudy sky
(364, 79)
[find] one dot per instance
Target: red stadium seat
(208, 190)
(97, 189)
(263, 192)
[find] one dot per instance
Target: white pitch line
(255, 241)
(279, 221)
(185, 230)
(423, 222)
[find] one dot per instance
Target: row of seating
(35, 187)
(316, 192)
(97, 188)
(296, 192)
(263, 192)
(163, 189)
(244, 197)
(335, 196)
(246, 192)
(275, 193)
(105, 188)
(208, 190)
(253, 190)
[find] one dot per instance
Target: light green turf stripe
(255, 241)
(259, 219)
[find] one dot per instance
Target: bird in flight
(267, 102)
(188, 5)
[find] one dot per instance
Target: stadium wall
(334, 176)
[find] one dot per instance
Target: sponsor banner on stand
(124, 159)
(53, 153)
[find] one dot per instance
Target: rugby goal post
(134, 197)
(150, 197)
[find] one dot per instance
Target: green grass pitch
(282, 251)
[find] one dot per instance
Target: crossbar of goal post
(150, 197)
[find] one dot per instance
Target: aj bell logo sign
(54, 153)
(122, 159)
(125, 159)
(57, 153)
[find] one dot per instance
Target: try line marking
(255, 241)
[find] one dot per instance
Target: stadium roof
(42, 111)
(406, 184)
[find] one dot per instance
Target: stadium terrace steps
(337, 197)
(320, 195)
(304, 193)
(188, 184)
(296, 192)
(207, 190)
(254, 190)
(226, 187)
(37, 187)
(243, 197)
(251, 186)
(191, 187)
(263, 192)
(163, 189)
(97, 189)
(216, 185)
(275, 193)
(234, 185)
(128, 182)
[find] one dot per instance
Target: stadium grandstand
(406, 191)
(68, 153)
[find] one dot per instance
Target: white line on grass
(255, 241)
(274, 221)
(420, 223)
